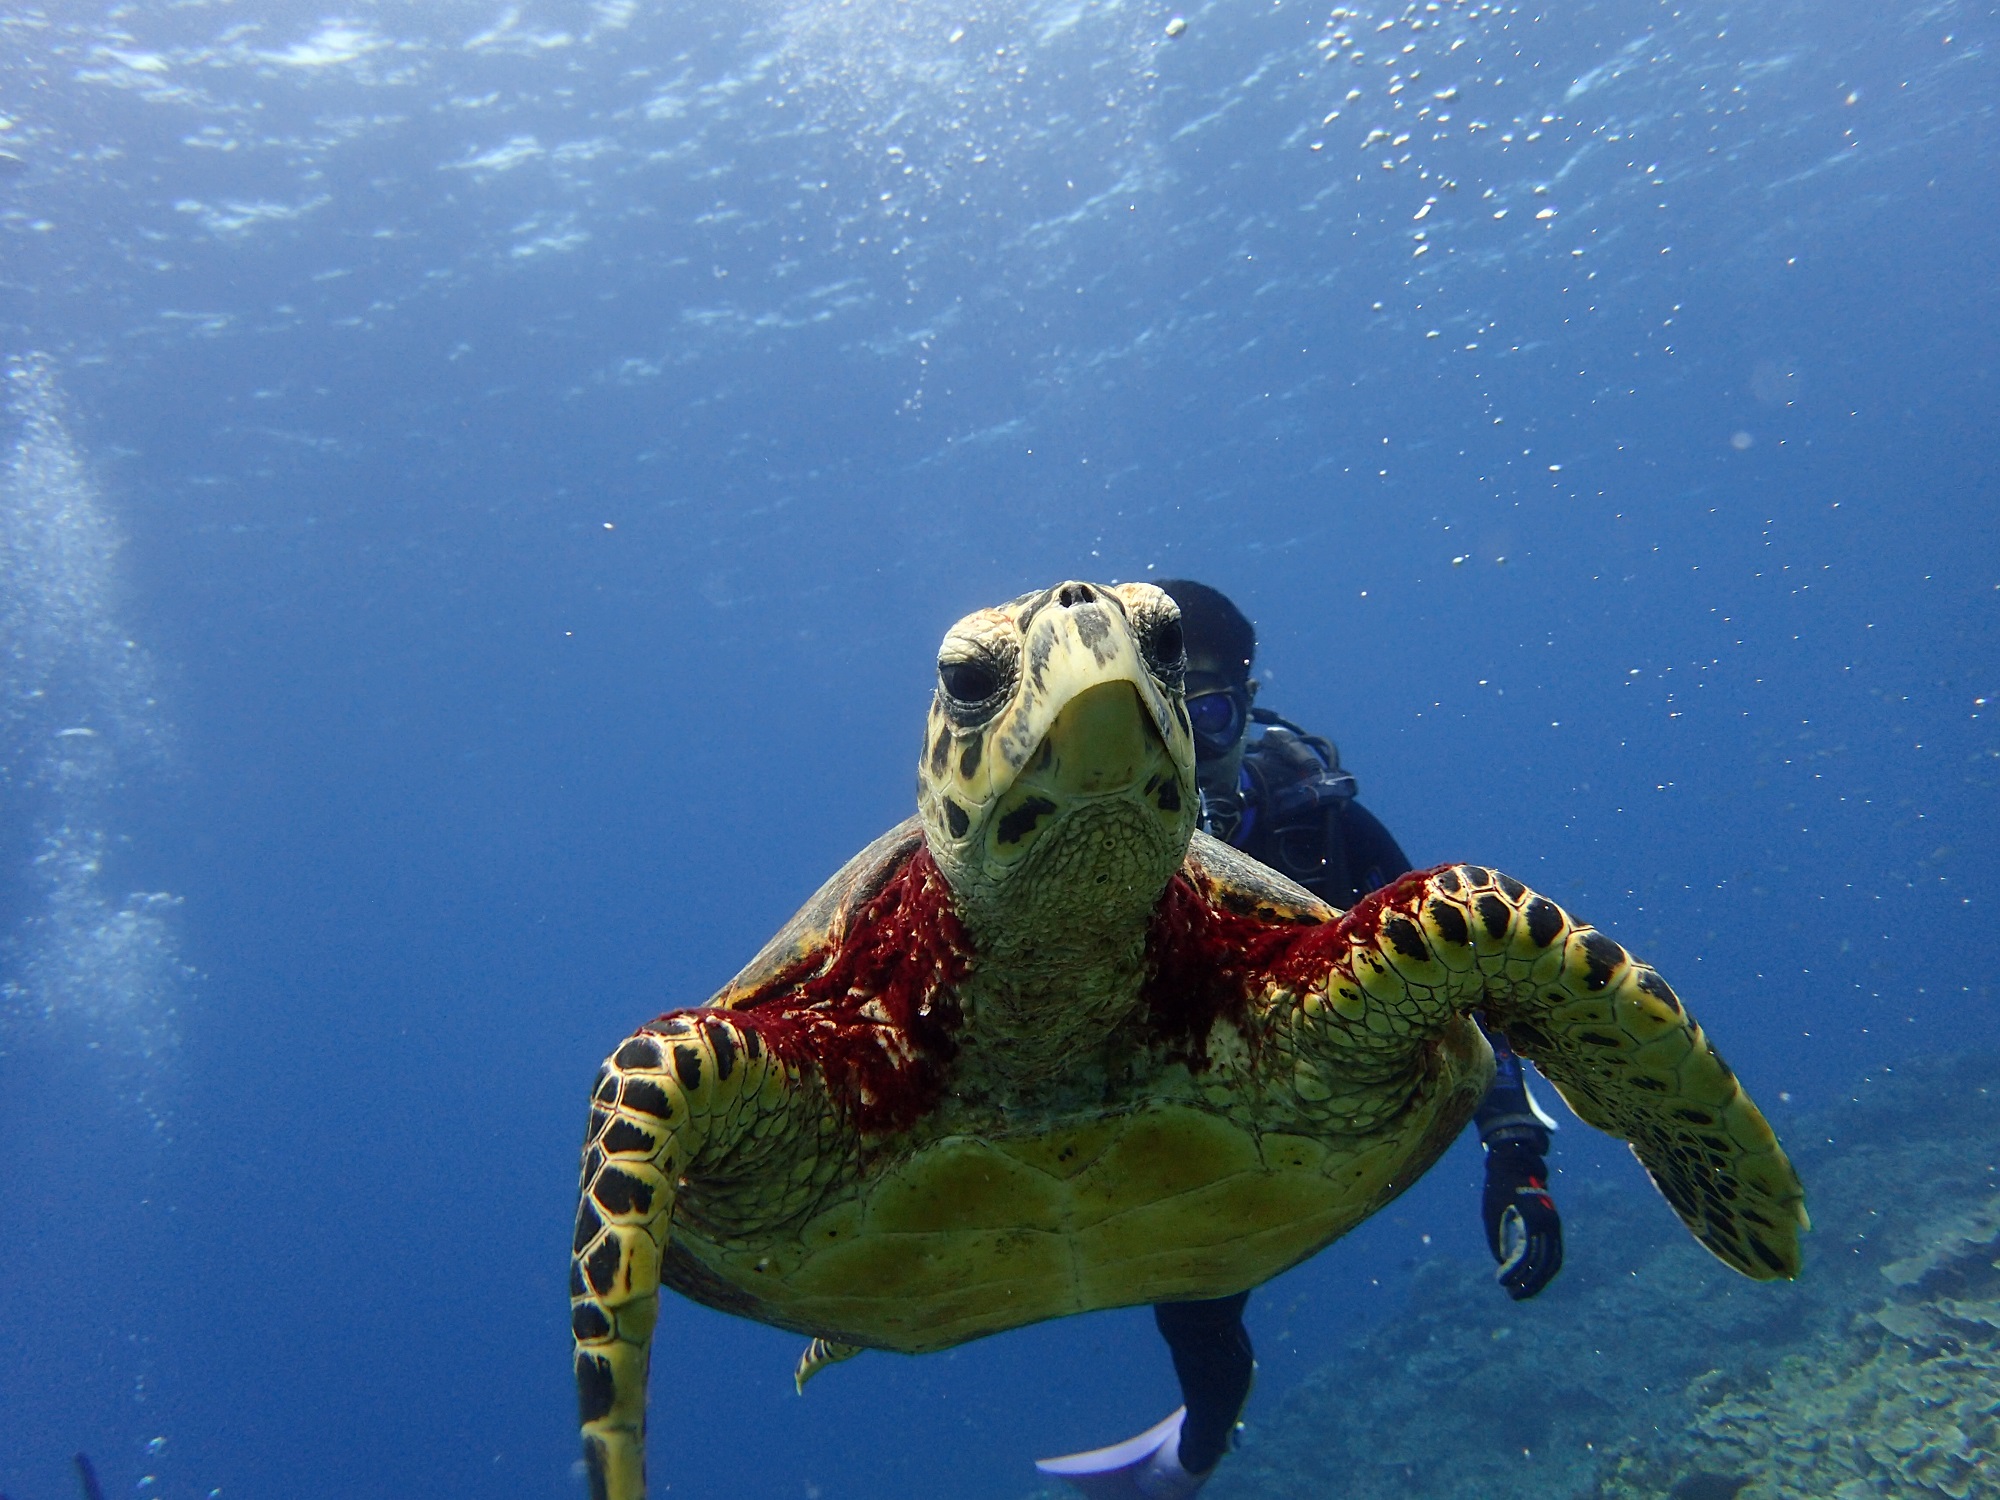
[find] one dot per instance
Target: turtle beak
(1100, 744)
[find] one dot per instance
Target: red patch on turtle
(1205, 962)
(903, 950)
(1402, 896)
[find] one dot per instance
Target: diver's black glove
(1523, 1229)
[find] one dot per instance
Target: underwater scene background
(484, 483)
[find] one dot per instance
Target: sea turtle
(1044, 1048)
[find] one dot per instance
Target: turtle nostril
(1070, 595)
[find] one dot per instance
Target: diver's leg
(1212, 1357)
(1171, 1460)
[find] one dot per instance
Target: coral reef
(1918, 1415)
(1650, 1370)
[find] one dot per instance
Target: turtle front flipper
(1606, 1030)
(686, 1092)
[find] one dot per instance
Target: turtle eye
(968, 682)
(1166, 647)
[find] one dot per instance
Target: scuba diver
(1282, 797)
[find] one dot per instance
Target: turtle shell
(920, 1216)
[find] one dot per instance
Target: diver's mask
(1217, 718)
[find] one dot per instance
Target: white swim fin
(1147, 1467)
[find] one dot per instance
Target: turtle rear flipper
(1606, 1030)
(819, 1354)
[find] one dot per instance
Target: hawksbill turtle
(1045, 1048)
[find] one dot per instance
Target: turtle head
(1057, 779)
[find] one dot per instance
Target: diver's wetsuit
(1295, 811)
(1213, 1359)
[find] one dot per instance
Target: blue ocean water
(485, 482)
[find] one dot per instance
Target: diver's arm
(1373, 855)
(1523, 1226)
